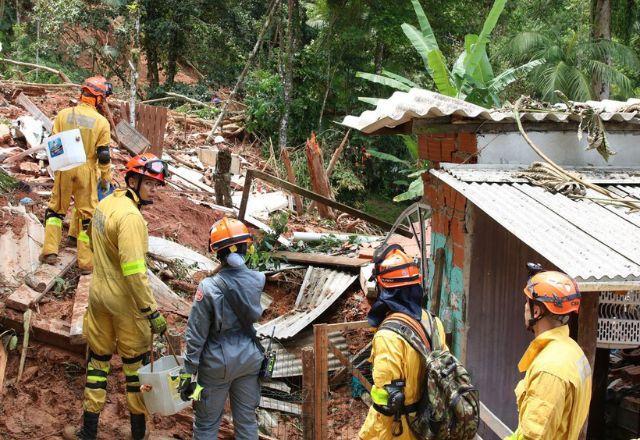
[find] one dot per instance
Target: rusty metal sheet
(320, 289)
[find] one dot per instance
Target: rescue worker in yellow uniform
(80, 182)
(399, 286)
(122, 314)
(554, 396)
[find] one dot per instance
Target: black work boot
(89, 429)
(138, 426)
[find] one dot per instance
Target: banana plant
(410, 168)
(471, 76)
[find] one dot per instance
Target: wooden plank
(321, 380)
(308, 385)
(588, 333)
(43, 279)
(354, 371)
(493, 422)
(253, 173)
(25, 153)
(33, 109)
(79, 307)
(319, 259)
(317, 174)
(134, 142)
(3, 366)
(291, 177)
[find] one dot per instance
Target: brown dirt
(177, 218)
(284, 294)
(50, 395)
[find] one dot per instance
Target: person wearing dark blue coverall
(221, 350)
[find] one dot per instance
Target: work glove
(189, 390)
(158, 323)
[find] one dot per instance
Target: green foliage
(264, 102)
(471, 76)
(7, 183)
(570, 62)
(260, 257)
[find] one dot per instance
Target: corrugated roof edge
(418, 103)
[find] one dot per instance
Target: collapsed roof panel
(320, 289)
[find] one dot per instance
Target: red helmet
(227, 232)
(556, 290)
(97, 86)
(148, 164)
(394, 268)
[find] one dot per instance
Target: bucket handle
(171, 350)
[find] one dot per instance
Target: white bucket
(65, 150)
(164, 398)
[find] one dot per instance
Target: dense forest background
(305, 74)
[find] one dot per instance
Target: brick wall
(448, 223)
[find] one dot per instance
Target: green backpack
(449, 405)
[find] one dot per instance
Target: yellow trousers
(112, 324)
(81, 183)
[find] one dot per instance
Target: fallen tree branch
(190, 100)
(337, 153)
(62, 76)
(14, 83)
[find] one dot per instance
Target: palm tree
(571, 61)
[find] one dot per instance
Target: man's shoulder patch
(199, 294)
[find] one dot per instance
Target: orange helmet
(98, 86)
(148, 164)
(397, 269)
(227, 232)
(556, 290)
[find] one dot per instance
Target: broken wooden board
(3, 366)
(131, 139)
(190, 177)
(319, 259)
(49, 331)
(43, 279)
(151, 122)
(79, 308)
(33, 109)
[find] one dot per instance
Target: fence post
(321, 385)
(308, 385)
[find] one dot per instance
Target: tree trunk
(287, 79)
(172, 62)
(601, 30)
(244, 72)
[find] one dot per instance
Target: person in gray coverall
(221, 352)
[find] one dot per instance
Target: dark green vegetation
(305, 75)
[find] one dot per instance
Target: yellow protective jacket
(393, 358)
(119, 239)
(553, 398)
(94, 129)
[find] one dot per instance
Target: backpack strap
(410, 330)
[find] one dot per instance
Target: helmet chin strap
(532, 320)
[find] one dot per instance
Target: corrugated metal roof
(289, 356)
(321, 288)
(402, 107)
(589, 241)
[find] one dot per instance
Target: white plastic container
(164, 398)
(65, 150)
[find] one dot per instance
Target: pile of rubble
(317, 271)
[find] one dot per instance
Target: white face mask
(235, 260)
